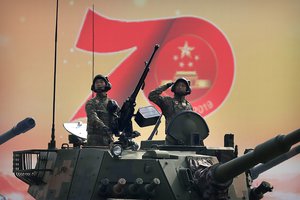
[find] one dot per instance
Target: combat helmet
(107, 83)
(187, 82)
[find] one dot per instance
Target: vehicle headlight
(116, 150)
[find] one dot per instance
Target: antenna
(51, 144)
(93, 46)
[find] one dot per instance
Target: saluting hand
(169, 84)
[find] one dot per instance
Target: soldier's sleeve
(117, 112)
(155, 95)
(92, 115)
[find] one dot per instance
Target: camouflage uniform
(169, 106)
(100, 121)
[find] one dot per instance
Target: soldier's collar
(102, 95)
(179, 98)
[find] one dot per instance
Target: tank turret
(21, 127)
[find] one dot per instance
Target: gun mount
(22, 127)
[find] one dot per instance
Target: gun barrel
(21, 127)
(261, 154)
(127, 109)
(257, 170)
(144, 75)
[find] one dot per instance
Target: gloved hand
(169, 84)
(112, 106)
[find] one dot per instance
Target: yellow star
(186, 50)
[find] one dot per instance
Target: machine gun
(21, 127)
(127, 110)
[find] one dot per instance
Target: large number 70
(189, 46)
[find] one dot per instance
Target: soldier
(171, 106)
(101, 114)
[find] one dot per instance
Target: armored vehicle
(156, 171)
(180, 168)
